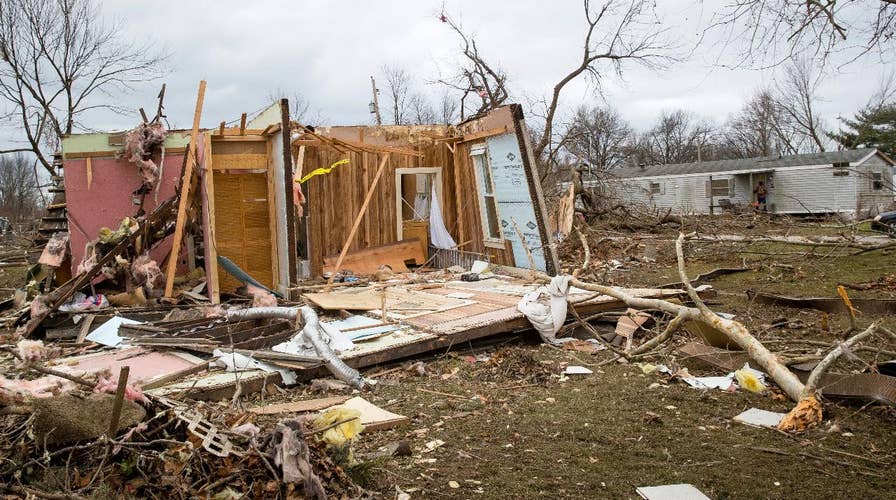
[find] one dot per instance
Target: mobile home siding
(812, 190)
(870, 201)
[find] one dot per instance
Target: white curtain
(438, 235)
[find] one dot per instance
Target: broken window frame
(485, 188)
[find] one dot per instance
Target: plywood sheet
(369, 260)
(242, 225)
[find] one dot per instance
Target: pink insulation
(146, 271)
(109, 385)
(139, 146)
(261, 297)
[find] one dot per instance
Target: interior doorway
(413, 201)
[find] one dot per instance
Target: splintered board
(242, 225)
(369, 260)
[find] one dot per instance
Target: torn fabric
(547, 318)
(438, 234)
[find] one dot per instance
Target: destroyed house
(427, 235)
(854, 183)
(281, 200)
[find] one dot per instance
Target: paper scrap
(671, 492)
(759, 418)
(577, 370)
(107, 333)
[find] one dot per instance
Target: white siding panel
(814, 190)
(871, 202)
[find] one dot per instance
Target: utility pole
(375, 104)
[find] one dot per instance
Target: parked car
(885, 222)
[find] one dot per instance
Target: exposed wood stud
(184, 196)
(243, 124)
(351, 233)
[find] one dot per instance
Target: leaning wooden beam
(184, 197)
(351, 234)
(208, 223)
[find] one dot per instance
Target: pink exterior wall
(109, 198)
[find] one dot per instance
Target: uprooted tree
(59, 61)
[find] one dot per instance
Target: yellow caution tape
(322, 170)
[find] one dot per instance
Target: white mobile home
(856, 182)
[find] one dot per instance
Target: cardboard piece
(373, 417)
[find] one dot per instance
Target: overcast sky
(327, 51)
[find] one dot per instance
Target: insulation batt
(109, 385)
(12, 391)
(146, 271)
(31, 350)
(140, 144)
(260, 297)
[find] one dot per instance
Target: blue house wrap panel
(514, 199)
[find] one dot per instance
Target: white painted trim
(483, 217)
(398, 194)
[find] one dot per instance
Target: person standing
(761, 193)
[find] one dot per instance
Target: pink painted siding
(109, 198)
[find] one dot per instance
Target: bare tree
(19, 191)
(678, 137)
(775, 30)
(617, 32)
(598, 136)
(448, 108)
(476, 77)
(57, 59)
(420, 111)
(398, 89)
(761, 128)
(797, 98)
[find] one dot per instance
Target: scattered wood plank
(299, 406)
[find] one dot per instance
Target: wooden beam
(286, 147)
(361, 212)
(111, 153)
(143, 115)
(243, 124)
(184, 196)
(208, 223)
(221, 128)
(458, 195)
(486, 133)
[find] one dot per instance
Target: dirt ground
(512, 429)
(496, 419)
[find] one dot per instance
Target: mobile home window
(877, 181)
(488, 205)
(721, 187)
(656, 188)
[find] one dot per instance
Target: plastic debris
(344, 432)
